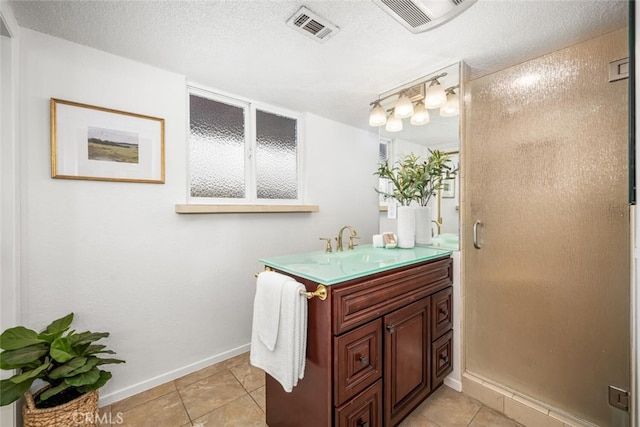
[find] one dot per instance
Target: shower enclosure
(547, 270)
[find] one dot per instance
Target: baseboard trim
(453, 383)
(521, 408)
(118, 395)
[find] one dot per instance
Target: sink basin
(335, 267)
(356, 256)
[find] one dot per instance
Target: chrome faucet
(354, 235)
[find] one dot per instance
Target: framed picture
(101, 144)
(448, 188)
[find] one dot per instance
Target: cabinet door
(407, 361)
(365, 410)
(357, 360)
(441, 312)
(442, 353)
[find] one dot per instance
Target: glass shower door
(547, 297)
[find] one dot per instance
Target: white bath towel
(266, 306)
(285, 360)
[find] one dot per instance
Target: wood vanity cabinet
(376, 348)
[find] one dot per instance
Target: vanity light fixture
(394, 123)
(436, 96)
(420, 115)
(424, 99)
(378, 116)
(403, 107)
(452, 107)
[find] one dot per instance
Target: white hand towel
(286, 362)
(266, 306)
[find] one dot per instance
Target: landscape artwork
(112, 145)
(448, 188)
(102, 144)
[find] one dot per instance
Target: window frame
(250, 107)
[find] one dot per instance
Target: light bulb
(394, 124)
(452, 106)
(435, 96)
(420, 115)
(403, 107)
(378, 116)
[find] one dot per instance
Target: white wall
(175, 291)
(9, 187)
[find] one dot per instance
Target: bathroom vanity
(377, 346)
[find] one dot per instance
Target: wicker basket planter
(81, 411)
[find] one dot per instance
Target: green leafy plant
(430, 175)
(414, 179)
(402, 175)
(68, 361)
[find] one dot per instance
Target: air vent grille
(301, 19)
(408, 11)
(423, 15)
(312, 25)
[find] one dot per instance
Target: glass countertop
(335, 267)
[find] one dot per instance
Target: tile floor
(232, 394)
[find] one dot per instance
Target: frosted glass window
(276, 156)
(217, 143)
(383, 152)
(383, 157)
(240, 153)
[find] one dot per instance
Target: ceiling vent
(312, 25)
(423, 15)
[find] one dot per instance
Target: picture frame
(102, 144)
(448, 188)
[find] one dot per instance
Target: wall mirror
(441, 133)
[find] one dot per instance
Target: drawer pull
(361, 423)
(390, 328)
(444, 358)
(444, 311)
(364, 360)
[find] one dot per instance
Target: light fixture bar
(419, 86)
(428, 94)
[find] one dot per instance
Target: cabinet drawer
(356, 304)
(441, 312)
(442, 358)
(365, 410)
(357, 360)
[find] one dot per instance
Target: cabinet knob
(444, 311)
(444, 358)
(364, 360)
(362, 423)
(390, 328)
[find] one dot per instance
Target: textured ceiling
(244, 47)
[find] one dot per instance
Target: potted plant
(416, 180)
(67, 362)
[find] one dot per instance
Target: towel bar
(320, 292)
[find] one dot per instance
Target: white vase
(423, 225)
(406, 227)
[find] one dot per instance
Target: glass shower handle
(475, 234)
